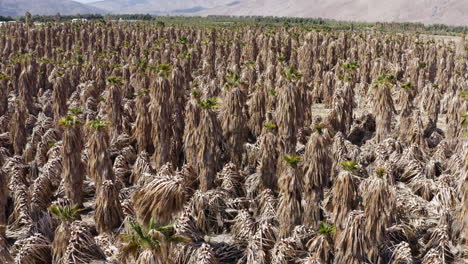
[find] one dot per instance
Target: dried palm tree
(289, 210)
(352, 244)
(72, 165)
(383, 105)
(317, 170)
(18, 134)
(82, 247)
(142, 132)
(345, 197)
(160, 109)
(3, 198)
(233, 124)
(149, 244)
(377, 194)
(100, 165)
(108, 211)
(161, 198)
(34, 249)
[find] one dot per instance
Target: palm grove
(142, 143)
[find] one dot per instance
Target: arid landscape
(148, 143)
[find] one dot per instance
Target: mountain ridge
(46, 7)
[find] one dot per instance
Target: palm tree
(3, 198)
(234, 124)
(73, 167)
(66, 213)
(290, 211)
(100, 165)
(108, 213)
(149, 244)
(383, 105)
(317, 169)
(18, 134)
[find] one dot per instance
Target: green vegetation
(326, 229)
(98, 124)
(150, 237)
(292, 160)
(349, 166)
(65, 213)
(70, 121)
(210, 103)
(269, 21)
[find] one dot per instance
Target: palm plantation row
(141, 143)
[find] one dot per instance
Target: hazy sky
(86, 1)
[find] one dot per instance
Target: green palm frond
(232, 80)
(319, 128)
(270, 126)
(380, 172)
(65, 213)
(326, 229)
(70, 121)
(115, 80)
(141, 238)
(292, 160)
(98, 124)
(75, 111)
(292, 74)
(385, 80)
(349, 166)
(210, 103)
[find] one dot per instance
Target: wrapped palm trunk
(73, 167)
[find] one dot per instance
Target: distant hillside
(453, 12)
(45, 7)
(160, 6)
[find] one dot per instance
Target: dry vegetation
(136, 143)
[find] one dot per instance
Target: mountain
(453, 12)
(46, 7)
(160, 6)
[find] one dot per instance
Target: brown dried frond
(352, 244)
(266, 205)
(141, 167)
(317, 169)
(243, 227)
(401, 254)
(82, 247)
(41, 195)
(208, 209)
(161, 198)
(73, 167)
(108, 211)
(268, 159)
(345, 197)
(60, 243)
(321, 248)
(234, 124)
(186, 226)
(3, 197)
(285, 251)
(20, 221)
(230, 180)
(289, 210)
(378, 194)
(100, 165)
(35, 249)
(205, 254)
